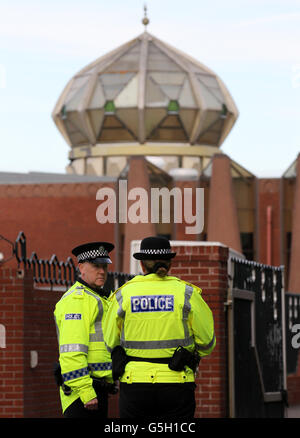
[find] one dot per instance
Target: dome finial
(145, 20)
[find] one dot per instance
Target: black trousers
(157, 400)
(77, 409)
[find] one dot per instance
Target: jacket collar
(98, 291)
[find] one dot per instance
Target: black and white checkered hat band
(156, 251)
(93, 254)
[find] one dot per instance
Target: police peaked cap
(94, 252)
(154, 248)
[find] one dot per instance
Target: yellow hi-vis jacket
(79, 316)
(150, 317)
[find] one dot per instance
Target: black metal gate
(256, 322)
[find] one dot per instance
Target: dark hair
(159, 267)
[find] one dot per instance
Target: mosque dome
(148, 98)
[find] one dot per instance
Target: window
(247, 245)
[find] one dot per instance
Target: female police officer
(157, 328)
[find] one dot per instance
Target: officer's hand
(92, 404)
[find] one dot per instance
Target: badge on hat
(155, 248)
(94, 252)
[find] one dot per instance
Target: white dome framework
(143, 95)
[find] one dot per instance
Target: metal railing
(53, 272)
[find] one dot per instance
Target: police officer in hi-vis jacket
(157, 329)
(85, 363)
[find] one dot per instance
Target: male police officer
(84, 361)
(157, 328)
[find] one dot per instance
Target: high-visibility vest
(79, 317)
(150, 316)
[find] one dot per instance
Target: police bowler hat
(94, 252)
(154, 248)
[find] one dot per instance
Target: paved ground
(293, 412)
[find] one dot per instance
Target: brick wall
(293, 386)
(41, 398)
(11, 359)
(206, 267)
(27, 315)
(54, 217)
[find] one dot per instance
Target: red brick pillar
(137, 178)
(294, 277)
(205, 265)
(223, 223)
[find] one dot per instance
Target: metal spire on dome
(145, 20)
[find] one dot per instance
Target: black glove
(119, 361)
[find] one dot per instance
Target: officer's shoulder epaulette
(78, 292)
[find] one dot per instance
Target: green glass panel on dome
(63, 113)
(173, 107)
(109, 107)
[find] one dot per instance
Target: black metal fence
(53, 272)
(259, 340)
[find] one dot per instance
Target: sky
(253, 45)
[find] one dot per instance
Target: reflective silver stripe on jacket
(186, 309)
(119, 299)
(148, 345)
(71, 348)
(98, 335)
